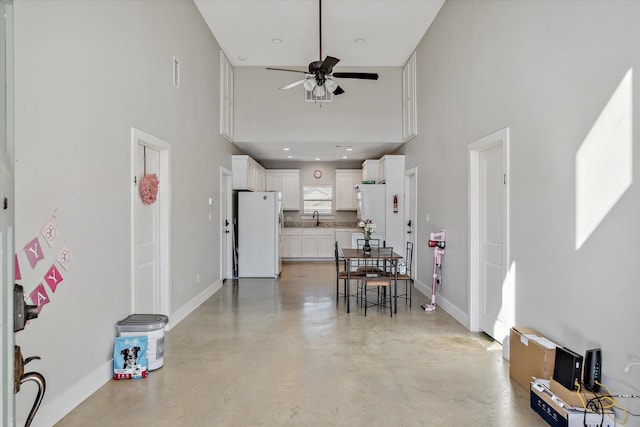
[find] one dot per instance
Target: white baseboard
(443, 303)
(180, 314)
(56, 409)
(64, 403)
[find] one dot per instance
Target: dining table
(351, 254)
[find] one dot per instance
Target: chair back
(380, 261)
(374, 243)
(409, 259)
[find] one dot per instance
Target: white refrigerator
(371, 205)
(259, 231)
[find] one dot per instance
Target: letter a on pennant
(39, 297)
(34, 252)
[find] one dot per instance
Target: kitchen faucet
(316, 215)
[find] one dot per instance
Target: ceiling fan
(320, 78)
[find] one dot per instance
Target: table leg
(395, 284)
(347, 290)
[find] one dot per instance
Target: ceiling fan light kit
(320, 79)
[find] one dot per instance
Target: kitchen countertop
(323, 224)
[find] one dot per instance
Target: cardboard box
(531, 355)
(570, 397)
(549, 407)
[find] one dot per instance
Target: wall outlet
(197, 278)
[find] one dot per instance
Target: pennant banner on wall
(50, 231)
(16, 267)
(53, 278)
(64, 257)
(34, 252)
(39, 297)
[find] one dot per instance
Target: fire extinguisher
(395, 203)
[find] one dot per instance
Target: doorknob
(409, 232)
(226, 231)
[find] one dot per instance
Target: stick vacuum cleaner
(437, 242)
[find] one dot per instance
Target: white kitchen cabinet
(226, 97)
(346, 179)
(308, 243)
(392, 167)
(326, 245)
(247, 173)
(287, 181)
(409, 104)
(370, 170)
(291, 243)
(309, 246)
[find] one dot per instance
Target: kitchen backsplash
(323, 224)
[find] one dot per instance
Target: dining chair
(341, 274)
(407, 276)
(374, 243)
(375, 279)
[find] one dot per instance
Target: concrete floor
(265, 352)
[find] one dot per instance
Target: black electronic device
(568, 368)
(592, 369)
(22, 312)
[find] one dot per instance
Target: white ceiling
(245, 30)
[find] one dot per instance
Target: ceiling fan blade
(285, 69)
(328, 64)
(338, 91)
(294, 84)
(364, 76)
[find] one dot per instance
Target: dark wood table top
(350, 253)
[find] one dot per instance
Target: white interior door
(226, 247)
(7, 218)
(146, 295)
(490, 249)
(150, 246)
(491, 293)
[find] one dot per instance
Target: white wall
(546, 70)
(86, 72)
(367, 111)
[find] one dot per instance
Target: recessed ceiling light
(276, 41)
(345, 157)
(349, 149)
(289, 157)
(360, 40)
(242, 58)
(317, 158)
(286, 149)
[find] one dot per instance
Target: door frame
(499, 138)
(411, 174)
(226, 176)
(139, 137)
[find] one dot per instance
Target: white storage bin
(151, 326)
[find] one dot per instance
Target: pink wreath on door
(149, 188)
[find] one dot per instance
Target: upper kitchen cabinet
(346, 179)
(226, 97)
(390, 166)
(409, 104)
(247, 173)
(286, 181)
(370, 171)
